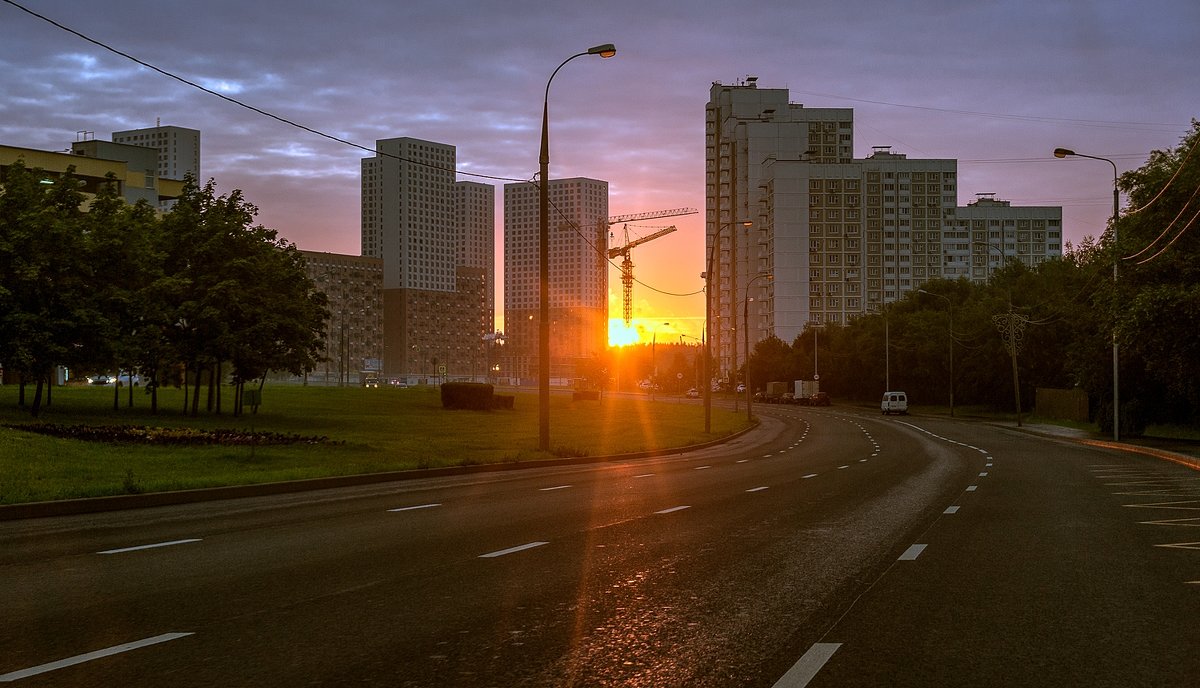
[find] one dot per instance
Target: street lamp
(746, 337)
(708, 282)
(950, 306)
(654, 359)
(1065, 152)
(606, 50)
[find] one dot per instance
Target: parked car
(693, 393)
(741, 388)
(819, 399)
(894, 402)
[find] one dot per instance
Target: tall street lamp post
(950, 307)
(708, 284)
(1065, 152)
(606, 50)
(746, 338)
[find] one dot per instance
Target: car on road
(741, 388)
(693, 393)
(370, 381)
(894, 402)
(819, 399)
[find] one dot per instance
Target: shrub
(474, 396)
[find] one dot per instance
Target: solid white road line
(80, 659)
(512, 550)
(673, 509)
(912, 553)
(413, 508)
(154, 546)
(804, 670)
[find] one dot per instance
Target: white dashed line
(756, 489)
(512, 550)
(644, 475)
(810, 475)
(80, 659)
(154, 546)
(983, 474)
(912, 552)
(556, 487)
(673, 509)
(972, 488)
(414, 508)
(951, 510)
(804, 670)
(701, 468)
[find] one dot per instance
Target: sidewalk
(1183, 452)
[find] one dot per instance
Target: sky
(996, 86)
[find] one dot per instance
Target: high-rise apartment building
(475, 214)
(178, 148)
(838, 236)
(354, 330)
(578, 276)
(435, 307)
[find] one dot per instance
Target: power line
(240, 103)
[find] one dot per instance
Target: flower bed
(141, 434)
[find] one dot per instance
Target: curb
(1191, 462)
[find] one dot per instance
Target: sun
(620, 335)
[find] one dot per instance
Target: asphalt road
(826, 549)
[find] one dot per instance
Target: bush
(503, 401)
(473, 396)
(586, 395)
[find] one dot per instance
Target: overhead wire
(252, 108)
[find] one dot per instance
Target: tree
(44, 313)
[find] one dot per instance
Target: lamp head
(606, 50)
(1063, 152)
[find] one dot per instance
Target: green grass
(371, 430)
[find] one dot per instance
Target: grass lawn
(369, 430)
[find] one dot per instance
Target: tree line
(184, 297)
(1049, 326)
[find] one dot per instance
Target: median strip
(80, 659)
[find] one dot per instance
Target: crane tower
(624, 251)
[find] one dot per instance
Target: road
(828, 548)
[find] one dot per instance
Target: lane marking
(743, 460)
(556, 487)
(701, 468)
(156, 545)
(803, 671)
(951, 510)
(983, 474)
(673, 509)
(810, 475)
(842, 468)
(972, 488)
(912, 553)
(80, 659)
(644, 475)
(413, 508)
(512, 550)
(756, 489)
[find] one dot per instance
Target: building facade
(134, 182)
(178, 149)
(435, 301)
(354, 331)
(834, 237)
(578, 228)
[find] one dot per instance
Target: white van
(894, 402)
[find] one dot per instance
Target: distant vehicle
(370, 381)
(894, 402)
(741, 388)
(693, 393)
(819, 399)
(787, 398)
(100, 380)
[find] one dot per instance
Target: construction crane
(624, 251)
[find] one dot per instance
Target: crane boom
(624, 250)
(653, 214)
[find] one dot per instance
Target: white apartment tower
(178, 148)
(475, 215)
(435, 306)
(838, 236)
(578, 227)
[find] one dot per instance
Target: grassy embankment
(369, 430)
